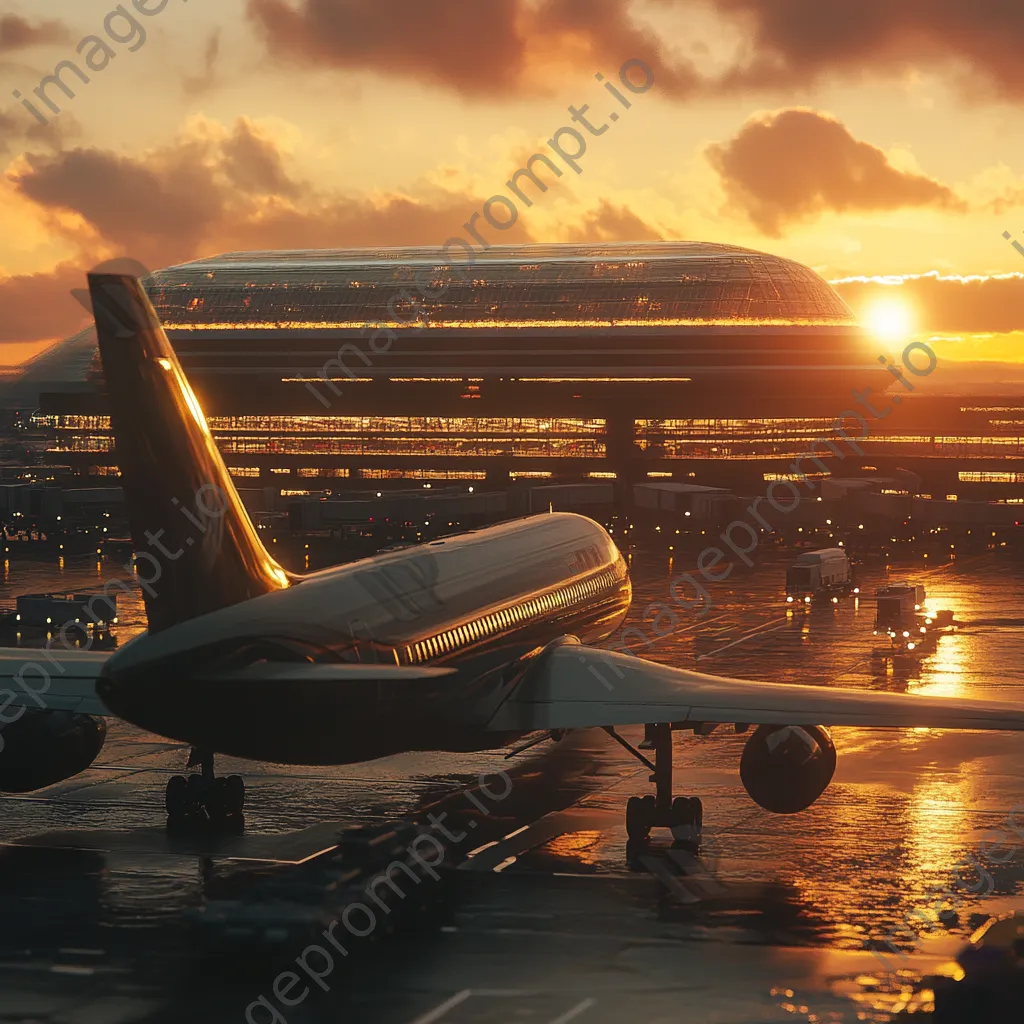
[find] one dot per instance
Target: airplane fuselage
(479, 603)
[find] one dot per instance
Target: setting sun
(889, 320)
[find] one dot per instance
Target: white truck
(825, 572)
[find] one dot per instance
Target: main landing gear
(684, 816)
(204, 799)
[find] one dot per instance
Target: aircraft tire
(176, 797)
(639, 818)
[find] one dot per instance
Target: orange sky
(879, 141)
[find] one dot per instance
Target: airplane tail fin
(196, 548)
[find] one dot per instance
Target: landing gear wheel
(176, 797)
(215, 802)
(686, 819)
(639, 818)
(234, 795)
(195, 794)
(202, 800)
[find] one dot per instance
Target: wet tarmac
(774, 918)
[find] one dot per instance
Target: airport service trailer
(815, 573)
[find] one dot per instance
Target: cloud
(795, 43)
(944, 303)
(211, 190)
(156, 208)
(254, 164)
(16, 33)
(611, 223)
(502, 46)
(199, 85)
(40, 306)
(794, 165)
(476, 49)
(19, 130)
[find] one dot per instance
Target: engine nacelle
(785, 768)
(42, 747)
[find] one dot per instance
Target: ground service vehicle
(822, 573)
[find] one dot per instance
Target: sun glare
(890, 320)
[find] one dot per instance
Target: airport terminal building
(688, 361)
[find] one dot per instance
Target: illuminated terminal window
(244, 471)
(289, 493)
(89, 423)
(324, 471)
(989, 477)
(992, 408)
(82, 443)
(104, 471)
(422, 474)
(420, 447)
(968, 446)
(600, 475)
(407, 425)
(280, 471)
(530, 474)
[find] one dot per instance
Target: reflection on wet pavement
(785, 910)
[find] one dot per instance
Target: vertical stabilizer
(195, 546)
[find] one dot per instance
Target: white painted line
(449, 1004)
(742, 640)
(506, 863)
(574, 1012)
(480, 849)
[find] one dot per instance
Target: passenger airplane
(461, 644)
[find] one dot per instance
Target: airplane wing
(66, 680)
(576, 687)
(55, 680)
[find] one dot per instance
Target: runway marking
(575, 1011)
(759, 632)
(449, 1004)
(697, 874)
(503, 852)
(673, 882)
(431, 1016)
(480, 849)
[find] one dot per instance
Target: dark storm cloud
(796, 164)
(949, 305)
(474, 48)
(794, 43)
(17, 33)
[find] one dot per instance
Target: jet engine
(42, 747)
(785, 768)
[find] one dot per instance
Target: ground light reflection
(946, 672)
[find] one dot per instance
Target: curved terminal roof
(648, 284)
